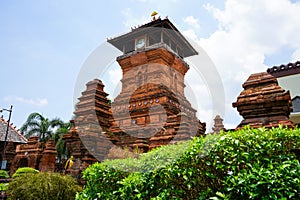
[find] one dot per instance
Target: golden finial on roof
(153, 15)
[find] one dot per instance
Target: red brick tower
(151, 109)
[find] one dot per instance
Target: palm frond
(38, 125)
(32, 124)
(35, 116)
(23, 128)
(32, 120)
(56, 122)
(32, 132)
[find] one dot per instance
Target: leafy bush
(155, 159)
(4, 174)
(46, 186)
(262, 164)
(3, 186)
(24, 170)
(244, 164)
(107, 176)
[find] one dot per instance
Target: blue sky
(45, 43)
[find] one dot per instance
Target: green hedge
(4, 174)
(43, 185)
(24, 170)
(3, 186)
(249, 164)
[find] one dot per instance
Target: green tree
(37, 125)
(59, 142)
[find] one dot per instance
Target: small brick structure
(48, 158)
(218, 125)
(35, 154)
(263, 102)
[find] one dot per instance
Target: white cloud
(192, 21)
(131, 20)
(115, 76)
(191, 34)
(35, 102)
(257, 26)
(229, 126)
(248, 32)
(296, 55)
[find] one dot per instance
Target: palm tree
(59, 142)
(37, 125)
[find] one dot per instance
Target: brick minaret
(151, 109)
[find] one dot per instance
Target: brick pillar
(48, 157)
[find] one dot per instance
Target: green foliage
(155, 159)
(4, 174)
(103, 179)
(24, 170)
(3, 186)
(37, 125)
(244, 164)
(261, 162)
(46, 186)
(60, 144)
(101, 182)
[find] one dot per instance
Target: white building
(288, 77)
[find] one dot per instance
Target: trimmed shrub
(4, 174)
(244, 164)
(103, 179)
(3, 186)
(24, 170)
(46, 186)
